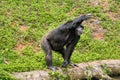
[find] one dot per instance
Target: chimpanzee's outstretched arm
(69, 51)
(74, 23)
(81, 19)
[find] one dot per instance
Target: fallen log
(96, 70)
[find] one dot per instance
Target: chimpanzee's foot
(52, 68)
(73, 65)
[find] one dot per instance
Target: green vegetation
(24, 22)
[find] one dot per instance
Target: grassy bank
(24, 22)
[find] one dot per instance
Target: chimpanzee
(63, 40)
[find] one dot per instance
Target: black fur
(63, 40)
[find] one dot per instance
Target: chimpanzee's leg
(62, 52)
(47, 49)
(69, 50)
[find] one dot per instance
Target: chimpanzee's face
(79, 30)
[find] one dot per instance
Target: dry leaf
(6, 61)
(23, 28)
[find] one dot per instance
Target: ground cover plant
(24, 22)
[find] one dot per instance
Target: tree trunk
(91, 70)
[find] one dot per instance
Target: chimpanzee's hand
(65, 63)
(86, 16)
(80, 19)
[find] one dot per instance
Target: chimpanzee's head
(79, 30)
